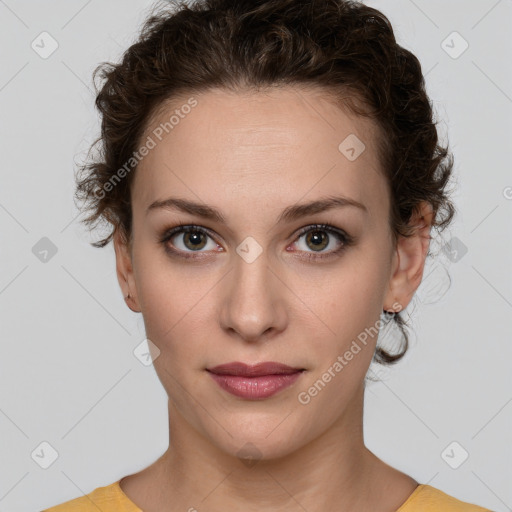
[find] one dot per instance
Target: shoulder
(426, 498)
(109, 498)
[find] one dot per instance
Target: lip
(254, 382)
(255, 370)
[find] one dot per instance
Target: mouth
(256, 370)
(254, 382)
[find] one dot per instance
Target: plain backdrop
(72, 389)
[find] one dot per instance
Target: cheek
(352, 312)
(351, 299)
(172, 304)
(161, 298)
(343, 356)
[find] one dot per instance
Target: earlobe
(124, 271)
(410, 256)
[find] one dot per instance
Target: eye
(184, 240)
(320, 237)
(188, 239)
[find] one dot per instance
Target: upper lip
(247, 370)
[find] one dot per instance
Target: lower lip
(255, 388)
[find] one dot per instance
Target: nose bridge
(253, 305)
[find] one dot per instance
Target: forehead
(272, 147)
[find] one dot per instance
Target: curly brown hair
(342, 46)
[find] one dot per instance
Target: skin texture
(251, 155)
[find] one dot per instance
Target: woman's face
(253, 288)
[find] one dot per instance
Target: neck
(335, 471)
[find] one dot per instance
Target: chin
(251, 449)
(278, 439)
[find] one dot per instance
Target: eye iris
(317, 239)
(195, 238)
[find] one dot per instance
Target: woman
(271, 173)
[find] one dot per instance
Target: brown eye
(194, 240)
(184, 240)
(318, 239)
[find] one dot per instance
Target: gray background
(68, 373)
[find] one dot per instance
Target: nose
(253, 309)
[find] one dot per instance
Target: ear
(124, 270)
(409, 260)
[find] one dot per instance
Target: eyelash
(346, 240)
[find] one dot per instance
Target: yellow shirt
(111, 498)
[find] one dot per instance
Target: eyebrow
(289, 214)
